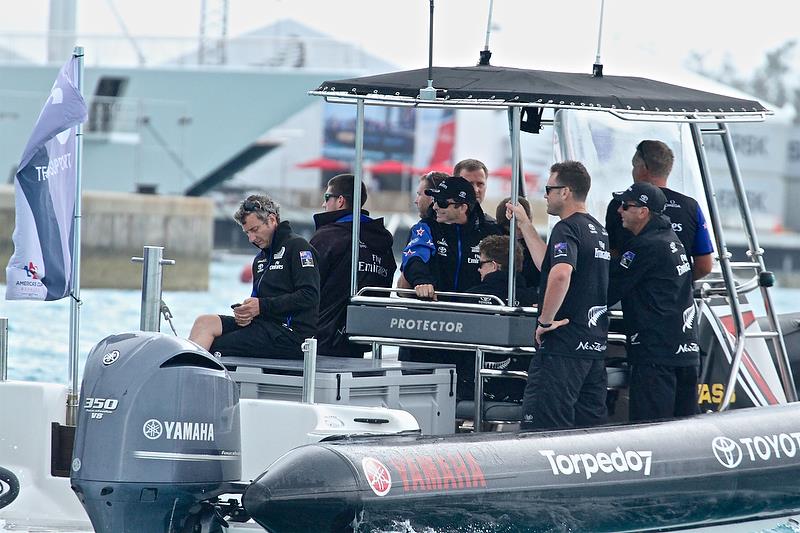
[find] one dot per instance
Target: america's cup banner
(44, 190)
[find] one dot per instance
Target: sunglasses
(328, 195)
(252, 205)
(444, 204)
(481, 263)
(625, 206)
(548, 188)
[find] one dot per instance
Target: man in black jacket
(443, 255)
(653, 278)
(283, 307)
(333, 242)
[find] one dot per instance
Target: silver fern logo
(498, 365)
(595, 313)
(688, 317)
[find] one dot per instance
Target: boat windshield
(606, 144)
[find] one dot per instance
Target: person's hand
(245, 313)
(555, 324)
(522, 216)
(425, 291)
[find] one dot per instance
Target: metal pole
(478, 416)
(152, 273)
(516, 171)
(3, 349)
(725, 263)
(784, 367)
(75, 294)
(359, 177)
(309, 369)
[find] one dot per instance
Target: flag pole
(75, 293)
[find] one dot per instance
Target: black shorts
(261, 338)
(564, 392)
(660, 391)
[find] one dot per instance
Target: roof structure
(502, 86)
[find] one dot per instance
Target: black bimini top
(489, 86)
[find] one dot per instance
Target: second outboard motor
(158, 434)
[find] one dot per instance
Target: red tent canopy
(324, 163)
(531, 178)
(447, 168)
(390, 166)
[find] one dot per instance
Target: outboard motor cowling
(158, 432)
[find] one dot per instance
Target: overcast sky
(639, 36)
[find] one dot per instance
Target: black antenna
(597, 68)
(485, 54)
(429, 92)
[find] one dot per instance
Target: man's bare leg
(205, 329)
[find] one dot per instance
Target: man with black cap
(653, 278)
(444, 255)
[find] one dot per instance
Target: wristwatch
(543, 325)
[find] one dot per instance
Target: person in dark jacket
(333, 242)
(283, 307)
(494, 268)
(443, 255)
(653, 278)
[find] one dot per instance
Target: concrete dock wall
(115, 228)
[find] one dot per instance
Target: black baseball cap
(454, 188)
(643, 194)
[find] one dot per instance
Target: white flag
(44, 192)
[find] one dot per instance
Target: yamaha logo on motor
(202, 431)
(111, 357)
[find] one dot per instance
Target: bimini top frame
(493, 87)
(532, 91)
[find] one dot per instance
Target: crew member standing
(653, 279)
(333, 242)
(652, 163)
(283, 307)
(567, 377)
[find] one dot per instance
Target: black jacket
(446, 255)
(653, 278)
(376, 268)
(286, 283)
(496, 283)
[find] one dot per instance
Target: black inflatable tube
(7, 478)
(709, 469)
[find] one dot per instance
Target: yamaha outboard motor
(158, 434)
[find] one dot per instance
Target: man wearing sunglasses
(283, 307)
(652, 277)
(652, 163)
(567, 377)
(333, 240)
(443, 255)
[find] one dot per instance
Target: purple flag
(44, 191)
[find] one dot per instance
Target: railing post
(152, 273)
(309, 369)
(3, 349)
